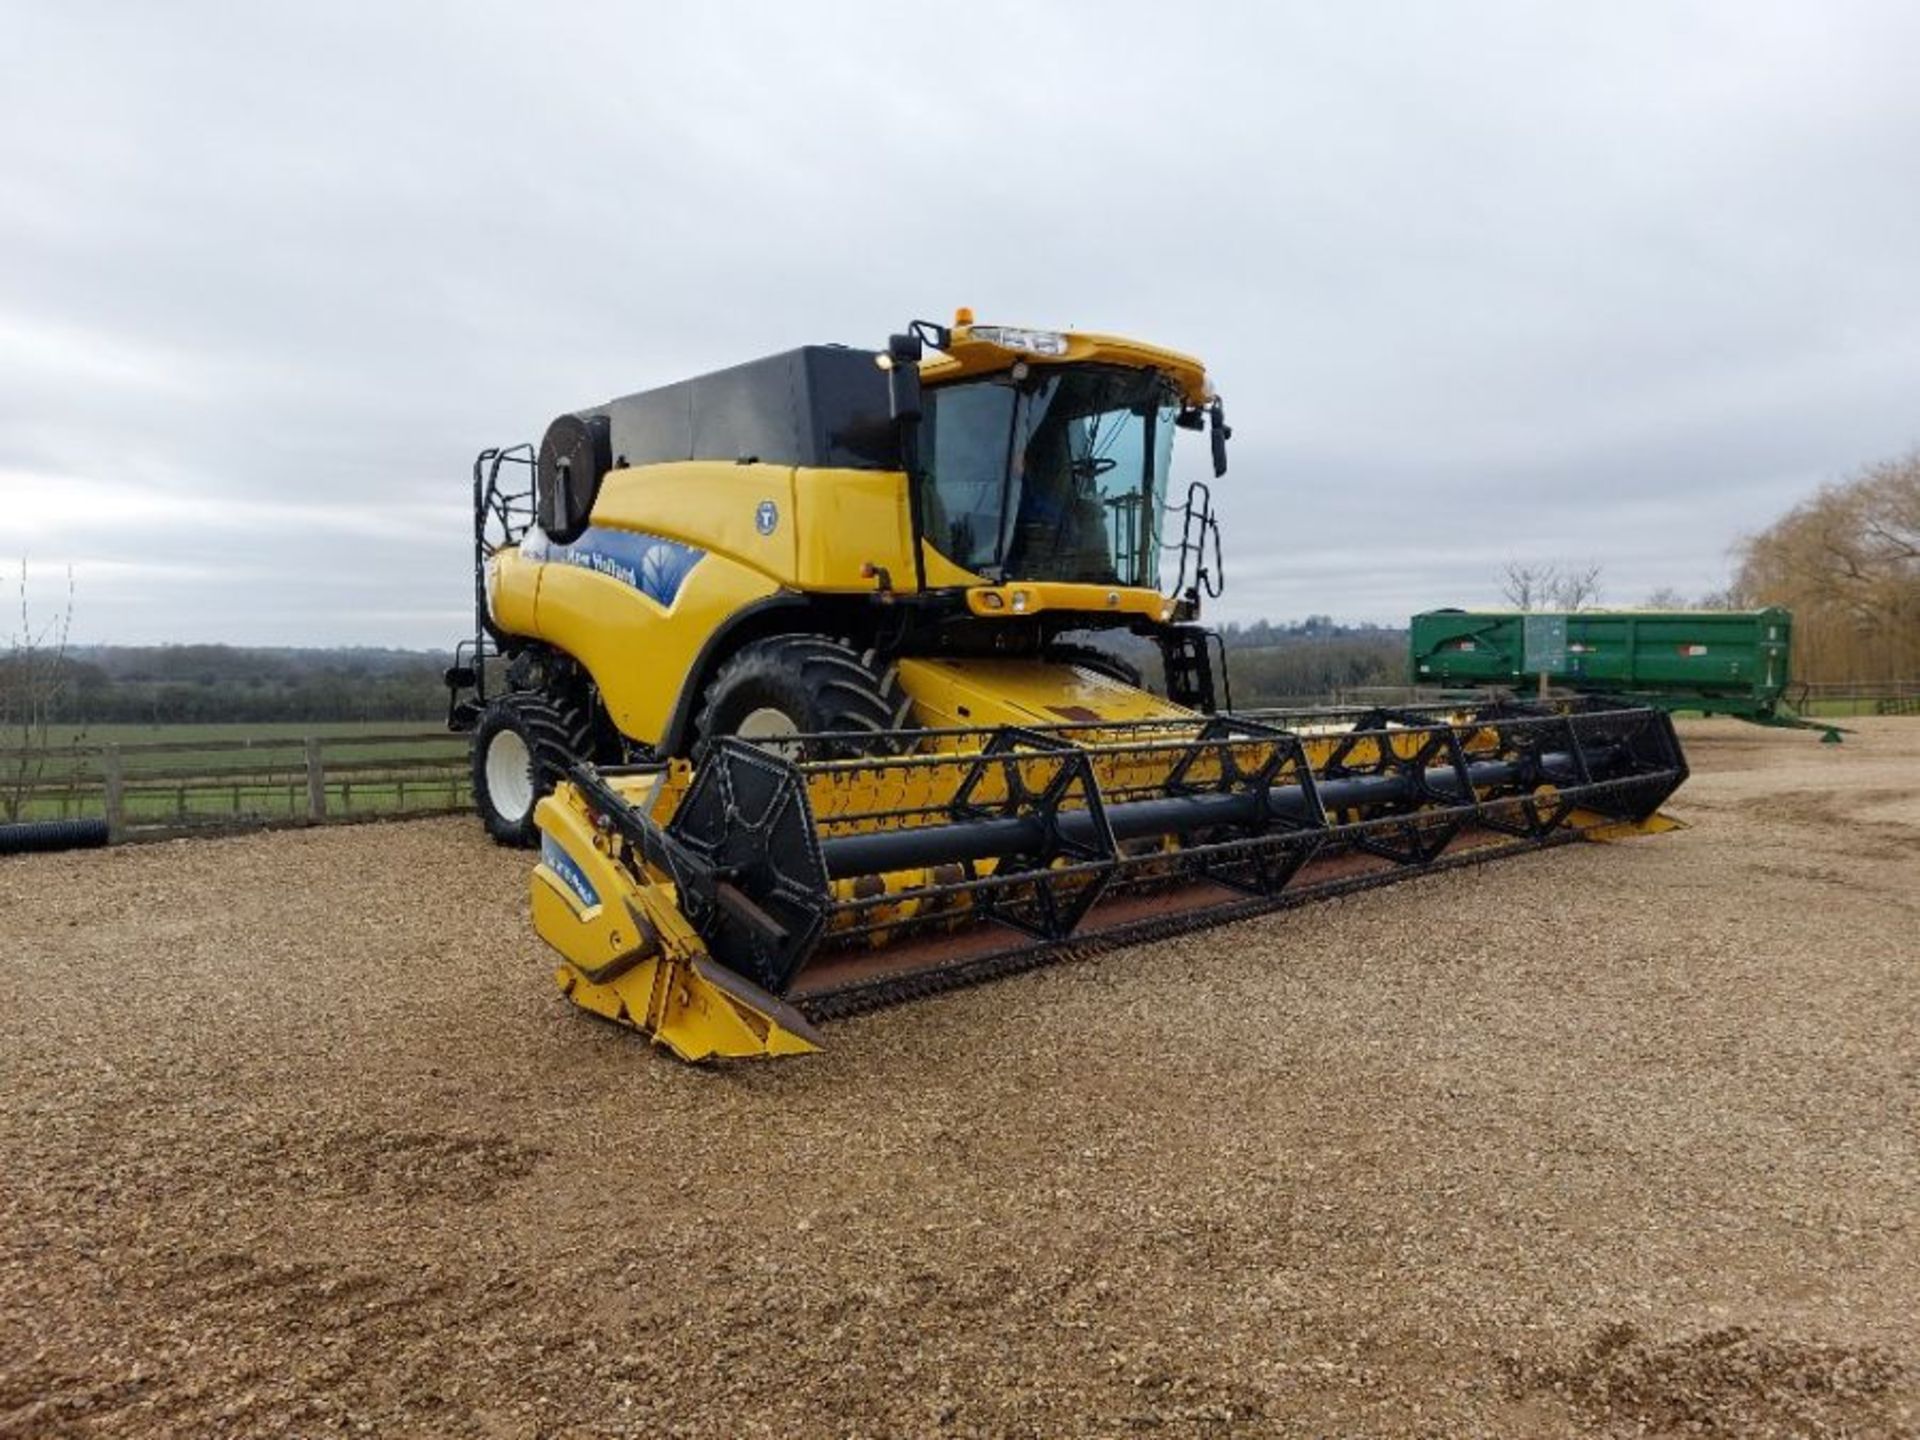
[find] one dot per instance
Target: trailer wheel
(805, 685)
(1101, 662)
(521, 750)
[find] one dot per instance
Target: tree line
(1846, 562)
(1277, 662)
(211, 684)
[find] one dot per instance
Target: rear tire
(522, 748)
(805, 685)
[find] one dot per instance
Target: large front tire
(522, 747)
(805, 685)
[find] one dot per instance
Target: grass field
(261, 740)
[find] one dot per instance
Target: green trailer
(1715, 662)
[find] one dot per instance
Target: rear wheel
(522, 748)
(805, 685)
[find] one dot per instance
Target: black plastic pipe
(41, 835)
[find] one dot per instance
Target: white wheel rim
(765, 727)
(509, 776)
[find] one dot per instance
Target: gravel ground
(298, 1137)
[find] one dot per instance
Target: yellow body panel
(709, 504)
(827, 525)
(513, 590)
(638, 651)
(951, 694)
(850, 519)
(1030, 597)
(943, 574)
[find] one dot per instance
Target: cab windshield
(1060, 475)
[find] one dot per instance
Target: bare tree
(1550, 586)
(1577, 589)
(1671, 597)
(1527, 587)
(33, 681)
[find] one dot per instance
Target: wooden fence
(154, 789)
(174, 787)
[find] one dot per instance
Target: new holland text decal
(571, 875)
(651, 564)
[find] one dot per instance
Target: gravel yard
(298, 1136)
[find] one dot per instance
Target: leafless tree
(1577, 589)
(1550, 586)
(33, 681)
(1526, 587)
(1671, 597)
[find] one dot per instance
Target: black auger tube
(922, 847)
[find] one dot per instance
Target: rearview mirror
(1221, 432)
(903, 376)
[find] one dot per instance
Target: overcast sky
(1609, 283)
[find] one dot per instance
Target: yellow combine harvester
(776, 667)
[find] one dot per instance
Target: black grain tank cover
(819, 406)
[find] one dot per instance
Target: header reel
(825, 887)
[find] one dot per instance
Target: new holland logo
(767, 517)
(571, 875)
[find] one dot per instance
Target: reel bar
(925, 846)
(775, 861)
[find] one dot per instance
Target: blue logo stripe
(571, 875)
(651, 564)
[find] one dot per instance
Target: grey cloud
(1477, 280)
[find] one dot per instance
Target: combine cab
(785, 671)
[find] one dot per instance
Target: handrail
(1197, 522)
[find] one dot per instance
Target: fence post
(113, 771)
(316, 781)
